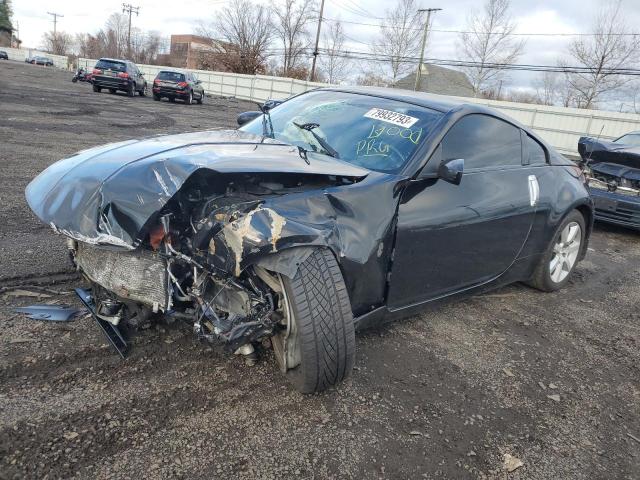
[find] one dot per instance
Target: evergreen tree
(5, 16)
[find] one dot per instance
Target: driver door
(452, 237)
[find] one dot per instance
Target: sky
(184, 16)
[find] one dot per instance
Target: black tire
(172, 99)
(320, 304)
(74, 79)
(131, 90)
(112, 91)
(189, 99)
(97, 89)
(156, 97)
(541, 278)
(143, 92)
(201, 99)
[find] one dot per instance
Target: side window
(193, 77)
(534, 152)
(483, 141)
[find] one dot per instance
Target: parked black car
(38, 60)
(613, 171)
(4, 55)
(335, 210)
(179, 84)
(114, 75)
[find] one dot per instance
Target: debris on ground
(511, 463)
(52, 313)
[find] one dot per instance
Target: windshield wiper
(266, 122)
(309, 127)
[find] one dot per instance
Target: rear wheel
(317, 347)
(556, 266)
(172, 99)
(112, 90)
(131, 90)
(156, 97)
(97, 89)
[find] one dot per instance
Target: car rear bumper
(170, 92)
(111, 82)
(616, 208)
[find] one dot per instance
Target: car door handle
(534, 190)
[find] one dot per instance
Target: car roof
(173, 70)
(114, 60)
(440, 103)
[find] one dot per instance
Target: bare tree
(246, 31)
(292, 19)
(399, 37)
(608, 49)
(548, 87)
(332, 61)
(59, 44)
(487, 41)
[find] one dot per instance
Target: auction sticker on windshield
(399, 119)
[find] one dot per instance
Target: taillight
(156, 82)
(123, 75)
(97, 71)
(182, 84)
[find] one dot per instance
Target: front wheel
(317, 346)
(189, 99)
(97, 89)
(143, 92)
(201, 99)
(556, 266)
(131, 90)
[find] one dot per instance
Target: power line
(517, 34)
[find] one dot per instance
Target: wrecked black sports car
(613, 173)
(333, 211)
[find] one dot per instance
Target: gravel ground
(551, 379)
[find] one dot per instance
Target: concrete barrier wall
(559, 126)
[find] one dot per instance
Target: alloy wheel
(565, 252)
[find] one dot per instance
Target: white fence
(20, 54)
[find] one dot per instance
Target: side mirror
(246, 117)
(198, 82)
(451, 170)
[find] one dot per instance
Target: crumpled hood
(105, 195)
(594, 150)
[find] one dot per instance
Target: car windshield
(632, 139)
(376, 133)
(171, 76)
(111, 65)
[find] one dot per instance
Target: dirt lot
(552, 379)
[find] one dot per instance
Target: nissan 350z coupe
(333, 211)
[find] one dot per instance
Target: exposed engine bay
(613, 178)
(189, 264)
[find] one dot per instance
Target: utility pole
(424, 43)
(55, 30)
(55, 21)
(315, 51)
(128, 8)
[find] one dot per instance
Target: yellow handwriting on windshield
(413, 135)
(371, 148)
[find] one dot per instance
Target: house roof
(440, 80)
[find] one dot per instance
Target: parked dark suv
(180, 84)
(114, 75)
(3, 55)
